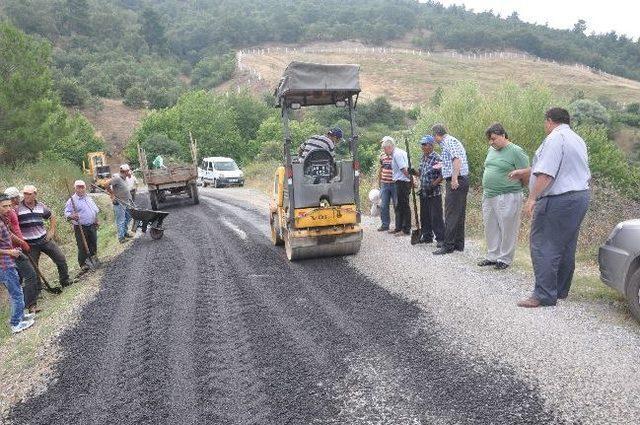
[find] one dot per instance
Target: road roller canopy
(308, 84)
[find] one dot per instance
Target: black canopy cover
(317, 84)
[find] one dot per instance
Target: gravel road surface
(212, 325)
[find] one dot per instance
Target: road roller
(315, 207)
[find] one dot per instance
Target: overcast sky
(622, 16)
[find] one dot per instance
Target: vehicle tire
(153, 199)
(276, 236)
(204, 183)
(194, 193)
(633, 294)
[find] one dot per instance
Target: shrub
(134, 97)
(72, 93)
(586, 111)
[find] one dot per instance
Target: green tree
(152, 28)
(27, 98)
(134, 97)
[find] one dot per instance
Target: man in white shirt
(558, 201)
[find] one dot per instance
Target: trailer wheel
(194, 193)
(153, 198)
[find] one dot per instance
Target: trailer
(173, 180)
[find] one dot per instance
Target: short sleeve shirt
(451, 149)
(32, 220)
(120, 188)
(497, 166)
(428, 173)
(400, 161)
(563, 156)
(386, 169)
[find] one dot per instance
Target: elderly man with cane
(82, 211)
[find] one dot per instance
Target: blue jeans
(11, 280)
(388, 194)
(554, 236)
(123, 217)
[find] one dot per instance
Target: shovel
(90, 262)
(416, 233)
(52, 289)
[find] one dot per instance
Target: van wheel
(633, 294)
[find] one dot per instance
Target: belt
(459, 177)
(564, 193)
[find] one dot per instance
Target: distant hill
(408, 77)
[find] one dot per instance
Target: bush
(467, 113)
(586, 111)
(72, 93)
(134, 97)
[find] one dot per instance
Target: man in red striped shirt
(25, 269)
(387, 191)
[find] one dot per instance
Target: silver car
(619, 260)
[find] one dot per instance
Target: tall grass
(467, 112)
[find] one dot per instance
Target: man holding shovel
(82, 212)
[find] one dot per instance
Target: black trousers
(403, 210)
(455, 207)
(51, 250)
(431, 219)
(29, 280)
(91, 235)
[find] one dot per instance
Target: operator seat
(319, 167)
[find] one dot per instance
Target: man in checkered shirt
(455, 170)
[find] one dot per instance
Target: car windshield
(225, 166)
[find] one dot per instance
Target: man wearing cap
(430, 193)
(121, 197)
(81, 210)
(388, 193)
(32, 215)
(318, 142)
(23, 265)
(18, 321)
(402, 182)
(455, 170)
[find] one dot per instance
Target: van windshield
(225, 166)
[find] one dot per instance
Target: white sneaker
(25, 324)
(28, 316)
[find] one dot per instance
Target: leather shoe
(530, 302)
(485, 263)
(394, 231)
(425, 240)
(442, 251)
(501, 266)
(382, 229)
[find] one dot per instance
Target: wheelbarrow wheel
(156, 233)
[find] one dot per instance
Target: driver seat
(319, 167)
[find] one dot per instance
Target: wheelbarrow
(149, 219)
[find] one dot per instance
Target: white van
(220, 171)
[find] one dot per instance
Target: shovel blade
(415, 236)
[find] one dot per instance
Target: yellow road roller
(315, 208)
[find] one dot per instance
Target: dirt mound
(115, 123)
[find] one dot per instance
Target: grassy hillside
(408, 78)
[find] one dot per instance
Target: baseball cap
(125, 167)
(12, 192)
(29, 189)
(336, 131)
(79, 183)
(427, 140)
